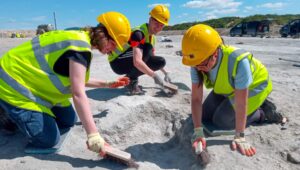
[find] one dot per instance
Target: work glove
(158, 80)
(198, 140)
(240, 144)
(167, 78)
(123, 81)
(199, 146)
(96, 143)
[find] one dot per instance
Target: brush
(120, 156)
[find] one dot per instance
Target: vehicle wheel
(283, 35)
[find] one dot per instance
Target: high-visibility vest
(148, 39)
(260, 88)
(27, 78)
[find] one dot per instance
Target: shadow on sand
(176, 153)
(104, 94)
(12, 146)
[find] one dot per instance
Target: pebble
(293, 157)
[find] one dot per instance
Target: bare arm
(139, 63)
(197, 95)
(96, 83)
(241, 103)
(163, 70)
(82, 106)
(239, 142)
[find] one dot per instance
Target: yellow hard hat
(198, 43)
(161, 14)
(117, 25)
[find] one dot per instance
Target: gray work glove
(199, 146)
(158, 80)
(198, 140)
(167, 78)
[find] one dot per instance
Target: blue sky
(27, 14)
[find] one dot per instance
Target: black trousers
(124, 63)
(218, 110)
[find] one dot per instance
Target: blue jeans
(41, 129)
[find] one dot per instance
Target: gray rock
(293, 157)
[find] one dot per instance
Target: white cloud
(211, 17)
(249, 8)
(39, 18)
(225, 11)
(213, 14)
(93, 10)
(11, 20)
(214, 8)
(153, 5)
(213, 4)
(276, 5)
(183, 15)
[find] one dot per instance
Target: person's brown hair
(99, 35)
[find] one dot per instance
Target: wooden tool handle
(114, 152)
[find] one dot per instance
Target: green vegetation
(228, 22)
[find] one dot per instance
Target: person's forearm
(140, 64)
(241, 99)
(84, 112)
(96, 83)
(197, 113)
(196, 106)
(241, 118)
(144, 68)
(163, 70)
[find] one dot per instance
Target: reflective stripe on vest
(115, 54)
(40, 52)
(232, 58)
(23, 90)
(232, 67)
(253, 92)
(259, 89)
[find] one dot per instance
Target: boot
(134, 88)
(270, 113)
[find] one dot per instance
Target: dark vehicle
(41, 29)
(165, 39)
(292, 29)
(252, 28)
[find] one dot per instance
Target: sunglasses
(205, 62)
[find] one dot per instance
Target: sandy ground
(156, 129)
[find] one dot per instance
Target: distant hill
(228, 22)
